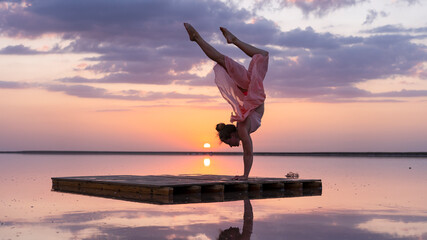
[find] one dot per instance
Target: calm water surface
(362, 198)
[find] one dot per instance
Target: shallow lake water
(362, 198)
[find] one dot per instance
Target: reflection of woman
(248, 222)
(242, 88)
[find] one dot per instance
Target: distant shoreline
(302, 154)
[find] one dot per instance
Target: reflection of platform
(169, 189)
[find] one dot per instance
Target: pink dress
(234, 76)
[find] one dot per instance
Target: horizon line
(320, 154)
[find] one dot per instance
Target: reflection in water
(396, 228)
(204, 222)
(207, 162)
(233, 233)
(361, 199)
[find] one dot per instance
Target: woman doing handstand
(242, 88)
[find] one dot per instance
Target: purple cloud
(145, 42)
(84, 91)
(397, 29)
(404, 93)
(346, 94)
(308, 38)
(140, 41)
(323, 59)
(14, 85)
(370, 18)
(153, 23)
(319, 72)
(410, 2)
(18, 50)
(319, 7)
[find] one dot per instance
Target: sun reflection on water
(207, 162)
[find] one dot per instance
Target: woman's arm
(248, 220)
(242, 130)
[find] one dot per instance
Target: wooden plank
(293, 185)
(149, 181)
(276, 185)
(181, 180)
(161, 199)
(272, 194)
(255, 194)
(255, 187)
(162, 191)
(100, 185)
(233, 187)
(212, 188)
(314, 184)
(169, 189)
(187, 189)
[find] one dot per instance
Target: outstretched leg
(246, 48)
(210, 51)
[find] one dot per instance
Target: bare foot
(192, 33)
(240, 178)
(228, 35)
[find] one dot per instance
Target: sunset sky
(344, 75)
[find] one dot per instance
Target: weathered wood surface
(170, 189)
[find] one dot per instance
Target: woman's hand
(243, 131)
(240, 178)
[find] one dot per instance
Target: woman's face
(233, 141)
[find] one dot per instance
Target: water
(362, 198)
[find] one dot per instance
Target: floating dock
(171, 189)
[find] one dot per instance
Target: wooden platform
(170, 189)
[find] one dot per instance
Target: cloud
(84, 91)
(410, 2)
(308, 38)
(138, 41)
(14, 85)
(319, 8)
(144, 42)
(372, 15)
(404, 93)
(336, 62)
(134, 22)
(306, 59)
(18, 50)
(346, 94)
(396, 29)
(138, 76)
(395, 228)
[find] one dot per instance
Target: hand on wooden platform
(239, 178)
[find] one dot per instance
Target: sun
(206, 145)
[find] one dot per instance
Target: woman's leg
(246, 48)
(210, 51)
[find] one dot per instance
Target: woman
(242, 88)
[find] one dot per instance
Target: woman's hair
(225, 131)
(229, 234)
